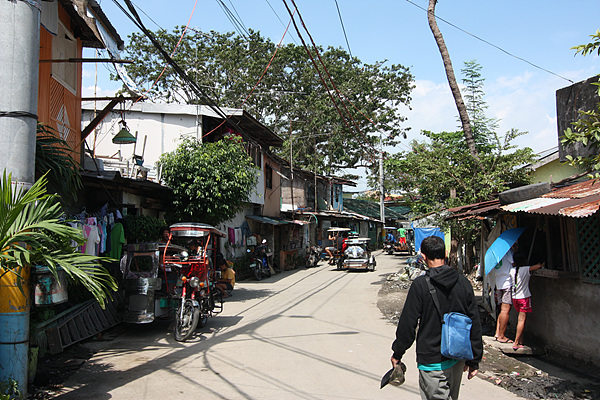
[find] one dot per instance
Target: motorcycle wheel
(257, 273)
(267, 272)
(310, 262)
(186, 321)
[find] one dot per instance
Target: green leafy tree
(32, 233)
(210, 181)
(586, 129)
(483, 127)
(291, 98)
(440, 171)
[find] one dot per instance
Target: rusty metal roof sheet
(577, 201)
(575, 208)
(473, 210)
(577, 191)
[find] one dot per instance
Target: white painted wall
(162, 125)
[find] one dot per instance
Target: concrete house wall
(565, 317)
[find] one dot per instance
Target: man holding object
(439, 377)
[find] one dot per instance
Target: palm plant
(54, 157)
(32, 233)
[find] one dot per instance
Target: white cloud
(96, 91)
(525, 102)
(433, 109)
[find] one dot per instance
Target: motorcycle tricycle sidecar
(194, 290)
(141, 283)
(357, 255)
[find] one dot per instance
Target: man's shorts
(402, 240)
(522, 305)
(503, 296)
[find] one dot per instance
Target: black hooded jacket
(455, 294)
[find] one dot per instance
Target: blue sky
(519, 94)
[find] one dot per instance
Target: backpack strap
(436, 301)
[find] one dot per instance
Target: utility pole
(19, 70)
(381, 188)
(292, 171)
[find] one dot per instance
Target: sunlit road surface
(303, 334)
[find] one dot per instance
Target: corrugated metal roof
(577, 191)
(577, 201)
(530, 205)
(575, 208)
(474, 210)
(583, 210)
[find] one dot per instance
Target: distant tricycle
(357, 255)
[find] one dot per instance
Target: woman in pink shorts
(521, 296)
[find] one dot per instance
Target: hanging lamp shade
(124, 136)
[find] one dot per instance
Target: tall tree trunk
(460, 105)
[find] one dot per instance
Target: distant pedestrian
(330, 249)
(402, 235)
(503, 295)
(390, 238)
(521, 296)
(439, 377)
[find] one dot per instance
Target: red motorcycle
(194, 287)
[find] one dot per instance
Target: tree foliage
(440, 171)
(210, 181)
(443, 173)
(586, 129)
(290, 98)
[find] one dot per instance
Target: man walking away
(439, 377)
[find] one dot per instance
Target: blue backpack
(456, 331)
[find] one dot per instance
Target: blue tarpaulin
(422, 233)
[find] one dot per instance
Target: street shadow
(219, 330)
(241, 293)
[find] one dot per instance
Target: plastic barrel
(14, 327)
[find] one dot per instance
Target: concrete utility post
(381, 189)
(19, 70)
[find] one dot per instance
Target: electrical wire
(279, 18)
(259, 79)
(324, 66)
(330, 79)
(143, 95)
(315, 64)
(343, 28)
(198, 91)
(491, 44)
(237, 24)
(149, 17)
(239, 17)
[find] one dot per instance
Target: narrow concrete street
(303, 334)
